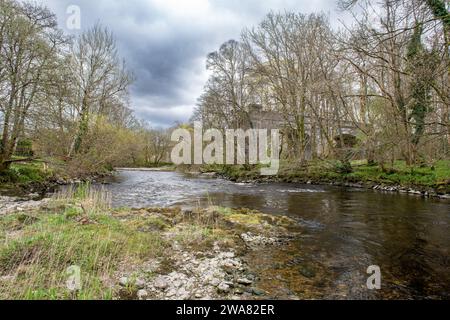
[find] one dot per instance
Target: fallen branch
(22, 160)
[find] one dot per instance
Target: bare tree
(30, 43)
(101, 79)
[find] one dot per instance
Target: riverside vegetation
(428, 181)
(132, 254)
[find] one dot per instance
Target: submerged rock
(307, 272)
(255, 240)
(258, 292)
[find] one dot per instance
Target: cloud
(165, 42)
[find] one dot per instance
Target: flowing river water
(343, 232)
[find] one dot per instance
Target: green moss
(148, 224)
(245, 219)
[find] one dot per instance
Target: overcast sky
(165, 42)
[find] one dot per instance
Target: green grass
(37, 248)
(437, 177)
(398, 174)
(40, 257)
(404, 175)
(25, 173)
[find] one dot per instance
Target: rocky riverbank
(425, 192)
(12, 204)
(168, 254)
(441, 191)
(206, 266)
(40, 189)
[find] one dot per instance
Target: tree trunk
(82, 128)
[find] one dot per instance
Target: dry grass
(91, 199)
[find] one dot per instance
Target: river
(344, 231)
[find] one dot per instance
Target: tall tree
(30, 43)
(100, 79)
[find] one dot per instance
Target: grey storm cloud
(165, 42)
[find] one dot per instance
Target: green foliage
(343, 167)
(421, 65)
(401, 174)
(440, 11)
(24, 173)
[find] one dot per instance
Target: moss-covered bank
(427, 181)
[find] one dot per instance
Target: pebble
(253, 240)
(142, 294)
(223, 288)
(307, 272)
(198, 276)
(139, 283)
(244, 281)
(160, 283)
(123, 281)
(258, 292)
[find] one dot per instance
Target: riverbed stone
(307, 272)
(238, 291)
(123, 281)
(142, 294)
(223, 288)
(244, 281)
(139, 283)
(161, 283)
(10, 204)
(258, 292)
(198, 295)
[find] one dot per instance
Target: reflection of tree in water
(406, 252)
